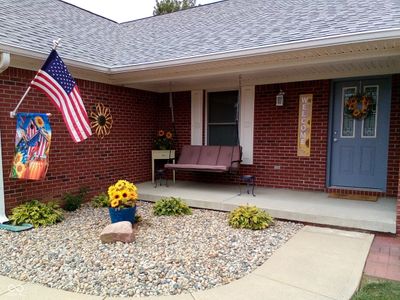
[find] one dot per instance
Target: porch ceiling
(347, 60)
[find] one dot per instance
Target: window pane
(223, 135)
(348, 121)
(222, 107)
(369, 123)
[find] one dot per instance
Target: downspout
(4, 63)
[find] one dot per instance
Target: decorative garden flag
(32, 144)
(57, 83)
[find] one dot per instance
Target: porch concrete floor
(303, 206)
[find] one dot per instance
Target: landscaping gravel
(170, 255)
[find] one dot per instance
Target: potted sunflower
(123, 197)
(164, 140)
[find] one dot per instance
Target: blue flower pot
(124, 214)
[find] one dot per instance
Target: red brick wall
(394, 146)
(394, 139)
(275, 136)
(93, 163)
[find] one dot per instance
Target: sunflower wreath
(101, 120)
(358, 106)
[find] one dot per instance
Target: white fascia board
(270, 49)
(42, 56)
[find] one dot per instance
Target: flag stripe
(67, 105)
(52, 95)
(76, 102)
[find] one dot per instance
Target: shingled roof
(221, 27)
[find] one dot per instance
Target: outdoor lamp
(279, 98)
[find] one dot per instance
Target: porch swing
(206, 158)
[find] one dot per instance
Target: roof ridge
(174, 12)
(88, 11)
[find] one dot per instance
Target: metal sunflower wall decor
(101, 120)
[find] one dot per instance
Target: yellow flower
(114, 203)
(39, 121)
(168, 135)
(20, 168)
(18, 157)
(133, 195)
(124, 192)
(116, 195)
(120, 185)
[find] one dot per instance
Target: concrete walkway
(317, 263)
(303, 206)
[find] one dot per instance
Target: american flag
(57, 83)
(38, 147)
(31, 131)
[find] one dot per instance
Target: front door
(360, 145)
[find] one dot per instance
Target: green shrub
(36, 213)
(138, 218)
(74, 201)
(171, 207)
(250, 217)
(101, 200)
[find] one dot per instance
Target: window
(222, 113)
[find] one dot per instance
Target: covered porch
(303, 206)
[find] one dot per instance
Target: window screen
(222, 115)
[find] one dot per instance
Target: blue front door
(360, 145)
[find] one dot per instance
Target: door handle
(335, 140)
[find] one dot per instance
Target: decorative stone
(121, 231)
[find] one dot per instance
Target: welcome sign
(304, 130)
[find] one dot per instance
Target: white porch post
(197, 118)
(246, 121)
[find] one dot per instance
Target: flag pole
(56, 43)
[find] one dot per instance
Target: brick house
(209, 57)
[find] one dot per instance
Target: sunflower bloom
(18, 157)
(116, 196)
(20, 169)
(119, 185)
(168, 135)
(114, 203)
(39, 121)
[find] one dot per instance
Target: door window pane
(222, 114)
(347, 120)
(369, 123)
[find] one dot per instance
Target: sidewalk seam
(291, 285)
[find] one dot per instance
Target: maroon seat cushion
(208, 155)
(189, 155)
(207, 158)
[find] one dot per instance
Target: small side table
(250, 180)
(162, 154)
